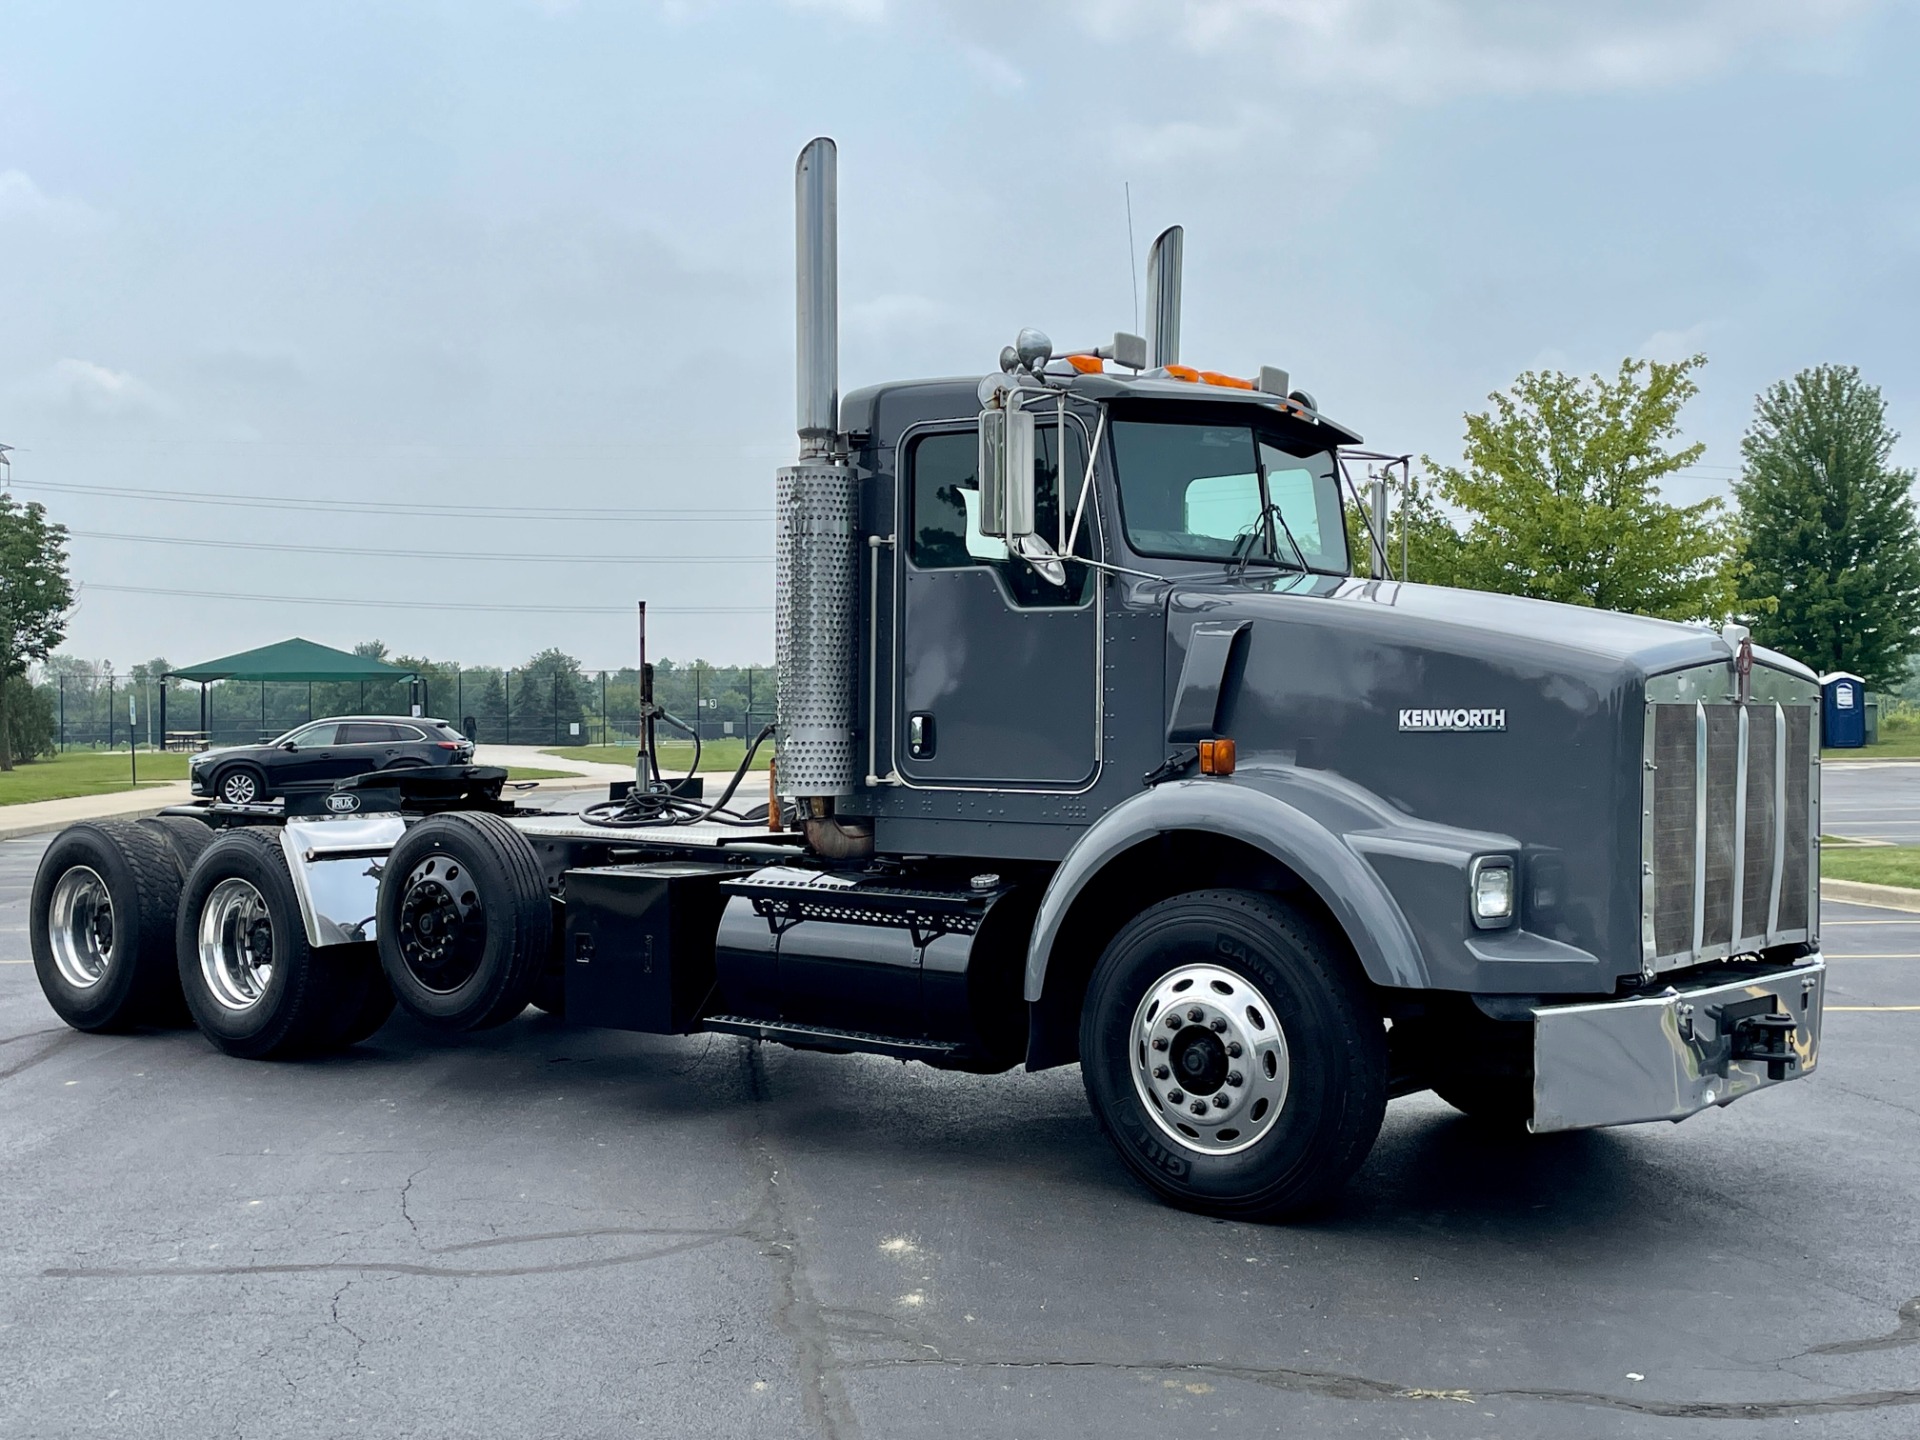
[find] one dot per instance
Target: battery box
(640, 943)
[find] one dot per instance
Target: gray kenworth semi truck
(1090, 748)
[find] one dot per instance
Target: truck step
(824, 1037)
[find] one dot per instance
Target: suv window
(944, 491)
(406, 734)
(365, 733)
(313, 736)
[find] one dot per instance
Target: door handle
(920, 735)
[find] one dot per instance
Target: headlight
(1491, 883)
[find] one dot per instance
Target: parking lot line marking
(1838, 956)
(16, 962)
(1871, 1007)
(1825, 924)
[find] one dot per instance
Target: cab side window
(943, 488)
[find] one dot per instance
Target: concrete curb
(1859, 892)
(47, 827)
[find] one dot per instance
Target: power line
(387, 507)
(432, 604)
(450, 554)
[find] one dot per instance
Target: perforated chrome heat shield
(816, 601)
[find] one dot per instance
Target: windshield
(1206, 492)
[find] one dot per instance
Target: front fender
(1301, 819)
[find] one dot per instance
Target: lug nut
(1173, 1022)
(1219, 1027)
(1174, 1097)
(1159, 1042)
(1199, 1107)
(1220, 1102)
(1234, 1077)
(1196, 1014)
(1234, 1050)
(1160, 1072)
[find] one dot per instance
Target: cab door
(997, 671)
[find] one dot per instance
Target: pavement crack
(797, 1313)
(406, 1214)
(392, 1267)
(1904, 1334)
(1338, 1385)
(53, 1048)
(29, 1034)
(359, 1340)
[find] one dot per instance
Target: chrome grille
(1728, 830)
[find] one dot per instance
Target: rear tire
(464, 921)
(101, 926)
(255, 987)
(1286, 1035)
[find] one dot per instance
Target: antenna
(1133, 261)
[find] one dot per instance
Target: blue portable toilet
(1843, 711)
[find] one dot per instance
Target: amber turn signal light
(1216, 757)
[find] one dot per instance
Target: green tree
(1561, 493)
(1832, 550)
(35, 596)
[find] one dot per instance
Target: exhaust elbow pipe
(1163, 297)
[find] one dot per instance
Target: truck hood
(1496, 627)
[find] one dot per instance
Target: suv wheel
(241, 786)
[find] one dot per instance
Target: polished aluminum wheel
(236, 944)
(1209, 1059)
(80, 927)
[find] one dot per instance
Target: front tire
(1228, 1003)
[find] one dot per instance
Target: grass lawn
(1890, 747)
(85, 772)
(1875, 864)
(722, 754)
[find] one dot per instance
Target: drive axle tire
(1232, 1055)
(188, 837)
(254, 985)
(101, 926)
(464, 921)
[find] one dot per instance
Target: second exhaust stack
(1163, 297)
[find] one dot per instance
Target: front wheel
(1232, 1056)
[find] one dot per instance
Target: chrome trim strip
(1699, 827)
(874, 545)
(1779, 819)
(1649, 888)
(1735, 933)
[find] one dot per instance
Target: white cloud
(24, 202)
(95, 390)
(866, 11)
(998, 72)
(1668, 346)
(1429, 50)
(1184, 142)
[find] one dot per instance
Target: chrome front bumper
(1668, 1056)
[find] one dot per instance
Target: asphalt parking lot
(546, 1231)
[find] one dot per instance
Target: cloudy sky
(483, 279)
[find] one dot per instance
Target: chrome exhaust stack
(816, 574)
(1163, 297)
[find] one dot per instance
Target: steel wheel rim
(239, 789)
(236, 944)
(443, 928)
(1206, 1026)
(80, 928)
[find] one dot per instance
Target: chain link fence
(544, 704)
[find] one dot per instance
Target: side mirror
(289, 745)
(1006, 470)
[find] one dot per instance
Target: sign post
(133, 755)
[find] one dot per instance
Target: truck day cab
(1090, 748)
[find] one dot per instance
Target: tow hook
(1766, 1036)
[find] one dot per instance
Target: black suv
(316, 754)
